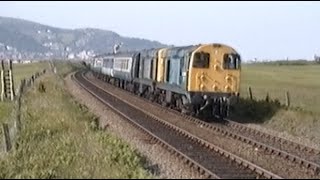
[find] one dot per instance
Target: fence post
(18, 111)
(2, 64)
(267, 97)
(11, 81)
(250, 92)
(2, 80)
(22, 84)
(2, 85)
(6, 136)
(32, 79)
(18, 114)
(287, 99)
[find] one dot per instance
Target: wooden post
(10, 64)
(18, 113)
(6, 136)
(12, 82)
(2, 85)
(287, 98)
(2, 65)
(22, 84)
(2, 80)
(32, 79)
(267, 97)
(250, 93)
(11, 85)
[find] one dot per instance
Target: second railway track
(209, 159)
(267, 143)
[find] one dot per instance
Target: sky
(262, 30)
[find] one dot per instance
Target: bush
(255, 110)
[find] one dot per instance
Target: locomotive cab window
(231, 61)
(201, 60)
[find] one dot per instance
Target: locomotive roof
(149, 52)
(172, 51)
(119, 54)
(124, 54)
(181, 51)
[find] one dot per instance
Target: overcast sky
(263, 30)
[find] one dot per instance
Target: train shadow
(254, 111)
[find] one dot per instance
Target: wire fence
(11, 128)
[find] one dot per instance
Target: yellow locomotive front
(214, 74)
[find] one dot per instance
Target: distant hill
(25, 39)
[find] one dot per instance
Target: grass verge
(61, 139)
(20, 71)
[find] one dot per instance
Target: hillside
(25, 39)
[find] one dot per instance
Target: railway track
(208, 159)
(297, 153)
(293, 152)
(307, 156)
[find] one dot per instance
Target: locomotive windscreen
(231, 61)
(201, 60)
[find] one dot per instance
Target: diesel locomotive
(200, 80)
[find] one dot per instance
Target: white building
(71, 56)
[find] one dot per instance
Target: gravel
(159, 161)
(255, 155)
(285, 135)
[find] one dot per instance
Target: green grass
(302, 119)
(65, 67)
(61, 139)
(5, 111)
(20, 71)
(302, 82)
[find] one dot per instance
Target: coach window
(201, 60)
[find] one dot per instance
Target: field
(62, 139)
(20, 71)
(69, 144)
(302, 119)
(302, 82)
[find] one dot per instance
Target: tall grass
(61, 139)
(20, 71)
